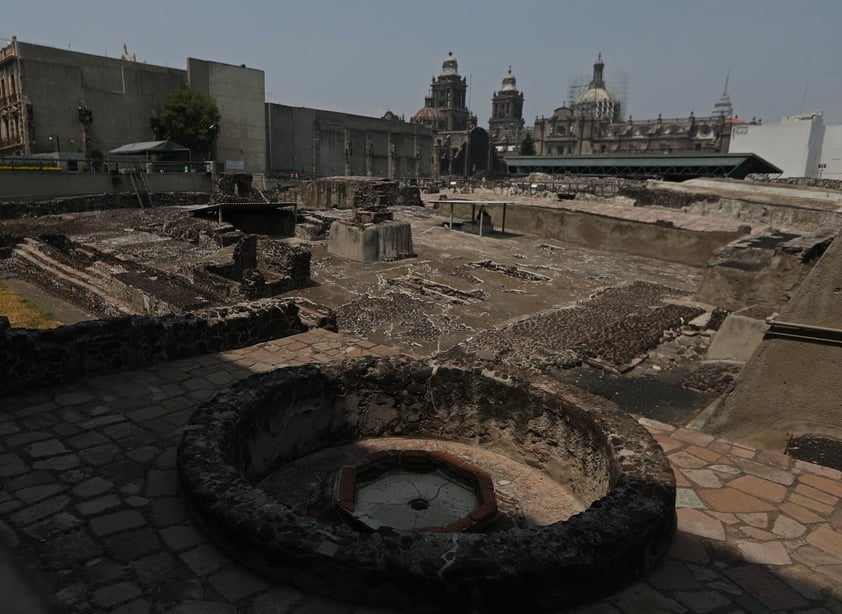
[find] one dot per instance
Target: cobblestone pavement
(90, 503)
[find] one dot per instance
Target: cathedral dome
(430, 117)
(597, 102)
(509, 82)
(596, 95)
(449, 66)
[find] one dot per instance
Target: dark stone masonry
(603, 456)
(33, 358)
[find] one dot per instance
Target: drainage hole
(419, 504)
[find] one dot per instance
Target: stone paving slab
(89, 504)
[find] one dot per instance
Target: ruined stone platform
(90, 504)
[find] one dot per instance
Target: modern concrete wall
(328, 143)
(36, 186)
(240, 93)
(794, 145)
(831, 158)
(600, 232)
(121, 95)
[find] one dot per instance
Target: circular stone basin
(272, 421)
(416, 489)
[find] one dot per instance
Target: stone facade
(592, 124)
(318, 143)
(460, 147)
(350, 192)
(506, 125)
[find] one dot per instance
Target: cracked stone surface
(405, 500)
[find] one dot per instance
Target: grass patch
(22, 313)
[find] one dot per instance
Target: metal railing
(31, 164)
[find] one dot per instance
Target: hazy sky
(366, 56)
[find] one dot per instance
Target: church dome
(596, 95)
(597, 102)
(429, 116)
(509, 82)
(449, 66)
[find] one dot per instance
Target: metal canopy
(148, 147)
(642, 166)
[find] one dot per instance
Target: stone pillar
(348, 153)
(369, 157)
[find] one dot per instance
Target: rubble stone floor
(90, 503)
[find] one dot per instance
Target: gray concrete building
(322, 143)
(64, 102)
(56, 100)
(240, 93)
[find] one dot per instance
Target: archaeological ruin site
(358, 395)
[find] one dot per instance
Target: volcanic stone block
(385, 241)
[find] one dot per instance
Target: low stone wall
(645, 195)
(777, 215)
(30, 359)
(10, 209)
(650, 240)
(34, 186)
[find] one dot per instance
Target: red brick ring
(268, 420)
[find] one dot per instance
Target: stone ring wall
(602, 455)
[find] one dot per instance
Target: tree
(527, 145)
(190, 118)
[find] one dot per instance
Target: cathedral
(593, 124)
(506, 125)
(460, 147)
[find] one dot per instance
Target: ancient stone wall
(349, 192)
(234, 188)
(779, 215)
(260, 268)
(205, 233)
(278, 258)
(30, 359)
(645, 196)
(812, 182)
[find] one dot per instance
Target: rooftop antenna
(804, 96)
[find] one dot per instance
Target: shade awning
(148, 147)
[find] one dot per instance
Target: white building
(801, 145)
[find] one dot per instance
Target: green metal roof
(642, 166)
